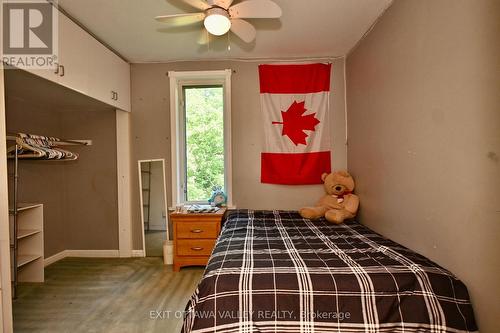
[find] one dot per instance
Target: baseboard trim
(82, 254)
(137, 253)
(93, 253)
(56, 257)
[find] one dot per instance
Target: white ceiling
(308, 28)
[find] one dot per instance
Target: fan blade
(243, 30)
(223, 3)
(198, 4)
(255, 9)
(181, 19)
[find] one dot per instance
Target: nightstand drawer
(194, 236)
(197, 230)
(198, 247)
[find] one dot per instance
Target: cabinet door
(73, 55)
(49, 74)
(101, 73)
(121, 83)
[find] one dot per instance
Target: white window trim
(176, 81)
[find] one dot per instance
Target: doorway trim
(141, 201)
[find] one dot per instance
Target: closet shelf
(22, 233)
(26, 259)
(26, 238)
(24, 206)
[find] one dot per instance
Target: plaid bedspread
(272, 271)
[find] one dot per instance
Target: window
(201, 146)
(204, 141)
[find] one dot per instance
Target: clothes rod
(61, 142)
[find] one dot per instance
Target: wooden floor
(105, 295)
(154, 243)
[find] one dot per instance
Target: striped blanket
(272, 271)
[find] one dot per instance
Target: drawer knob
(197, 248)
(196, 231)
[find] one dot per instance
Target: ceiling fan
(219, 16)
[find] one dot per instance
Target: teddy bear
(339, 203)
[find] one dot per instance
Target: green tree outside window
(204, 141)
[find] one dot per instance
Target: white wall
(151, 130)
(424, 137)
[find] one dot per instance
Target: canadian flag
(295, 103)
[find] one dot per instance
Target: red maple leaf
(294, 123)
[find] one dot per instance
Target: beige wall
(91, 198)
(38, 181)
(80, 197)
(151, 130)
(424, 137)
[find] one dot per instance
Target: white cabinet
(73, 59)
(49, 74)
(121, 77)
(109, 77)
(87, 66)
(45, 73)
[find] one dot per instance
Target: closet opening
(67, 187)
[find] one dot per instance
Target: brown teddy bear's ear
(323, 176)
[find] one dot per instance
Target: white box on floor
(168, 252)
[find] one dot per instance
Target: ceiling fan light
(217, 21)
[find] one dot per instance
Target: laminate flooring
(154, 243)
(106, 295)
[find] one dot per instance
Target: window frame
(178, 141)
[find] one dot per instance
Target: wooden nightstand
(194, 237)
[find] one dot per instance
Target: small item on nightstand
(178, 208)
(218, 197)
(201, 209)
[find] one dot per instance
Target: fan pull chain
(208, 39)
(228, 41)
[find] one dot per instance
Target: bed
(273, 271)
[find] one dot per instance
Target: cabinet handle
(113, 95)
(56, 71)
(61, 72)
(196, 231)
(197, 248)
(116, 96)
